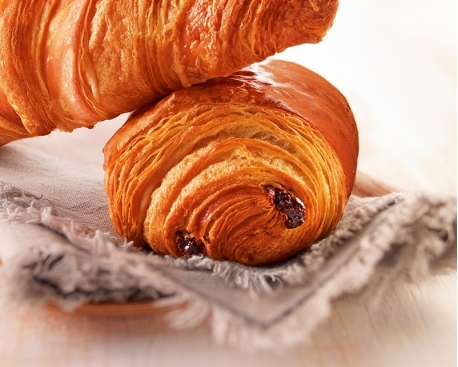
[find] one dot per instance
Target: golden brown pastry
(71, 63)
(251, 168)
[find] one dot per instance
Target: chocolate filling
(292, 208)
(188, 245)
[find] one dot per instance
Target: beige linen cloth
(61, 247)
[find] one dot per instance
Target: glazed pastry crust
(68, 63)
(204, 169)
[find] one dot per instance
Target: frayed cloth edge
(227, 327)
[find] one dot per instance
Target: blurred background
(395, 61)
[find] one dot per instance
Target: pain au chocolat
(72, 63)
(251, 168)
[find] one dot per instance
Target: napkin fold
(57, 245)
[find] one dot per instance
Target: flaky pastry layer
(71, 63)
(251, 168)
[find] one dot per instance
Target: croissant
(251, 168)
(67, 64)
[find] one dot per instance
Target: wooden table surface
(395, 61)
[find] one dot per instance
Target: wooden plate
(113, 310)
